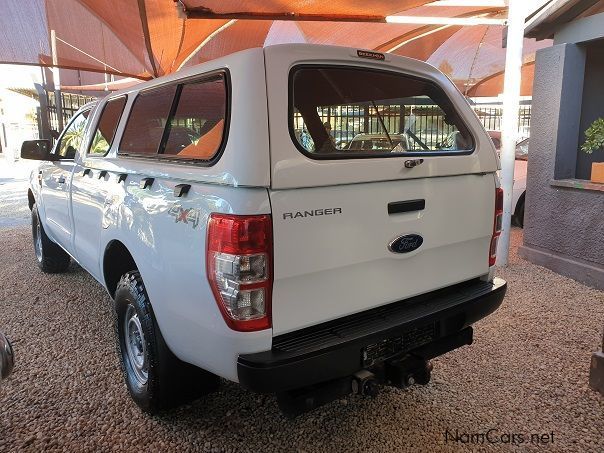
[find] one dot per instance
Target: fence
(71, 104)
(427, 122)
(490, 116)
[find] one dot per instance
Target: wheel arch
(117, 260)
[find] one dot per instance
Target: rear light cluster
(239, 267)
(497, 223)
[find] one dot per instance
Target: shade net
(150, 38)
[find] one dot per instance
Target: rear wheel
(51, 258)
(155, 377)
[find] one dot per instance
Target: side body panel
(167, 237)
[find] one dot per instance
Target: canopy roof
(150, 38)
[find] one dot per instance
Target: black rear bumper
(428, 325)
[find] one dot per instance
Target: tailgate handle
(410, 163)
(397, 207)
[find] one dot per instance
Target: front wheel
(51, 258)
(155, 377)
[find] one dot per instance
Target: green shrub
(594, 136)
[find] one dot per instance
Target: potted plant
(594, 140)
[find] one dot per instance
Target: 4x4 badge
(190, 216)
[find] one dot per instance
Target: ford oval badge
(406, 243)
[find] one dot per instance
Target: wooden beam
(205, 13)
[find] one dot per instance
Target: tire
(519, 214)
(156, 379)
(51, 258)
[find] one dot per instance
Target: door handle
(86, 172)
(102, 174)
(121, 177)
(61, 180)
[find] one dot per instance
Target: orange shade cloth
(151, 38)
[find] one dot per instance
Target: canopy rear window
(342, 112)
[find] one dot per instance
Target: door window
(72, 136)
(107, 126)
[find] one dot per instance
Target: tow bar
(401, 371)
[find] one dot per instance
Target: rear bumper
(428, 325)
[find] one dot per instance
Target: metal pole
(509, 130)
(56, 78)
(43, 123)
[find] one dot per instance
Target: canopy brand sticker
(371, 55)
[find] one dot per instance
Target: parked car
(342, 138)
(379, 142)
(519, 190)
(7, 358)
(292, 267)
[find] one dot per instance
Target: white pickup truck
(234, 248)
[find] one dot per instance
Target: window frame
(159, 156)
(339, 156)
(98, 122)
(55, 148)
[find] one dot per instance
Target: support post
(43, 124)
(56, 79)
(509, 132)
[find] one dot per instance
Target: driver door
(56, 182)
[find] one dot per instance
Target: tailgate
(332, 255)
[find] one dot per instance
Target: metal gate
(49, 125)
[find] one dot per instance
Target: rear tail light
(239, 266)
(497, 223)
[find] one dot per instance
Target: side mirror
(7, 360)
(36, 150)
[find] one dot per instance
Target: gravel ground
(13, 204)
(14, 178)
(525, 374)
